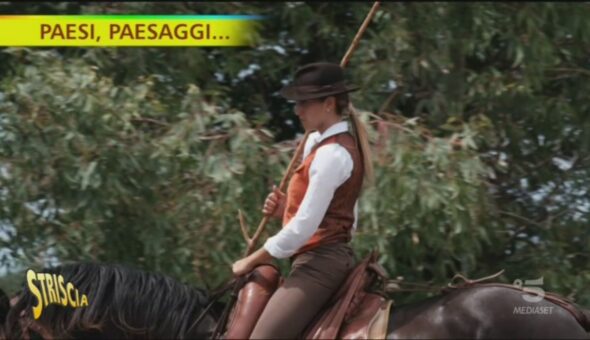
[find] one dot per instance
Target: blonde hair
(345, 109)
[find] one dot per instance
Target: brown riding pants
(315, 275)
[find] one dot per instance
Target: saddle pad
(378, 328)
(370, 320)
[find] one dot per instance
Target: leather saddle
(353, 312)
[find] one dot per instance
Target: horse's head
(10, 327)
(121, 302)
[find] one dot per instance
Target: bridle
(28, 329)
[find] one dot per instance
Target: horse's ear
(4, 306)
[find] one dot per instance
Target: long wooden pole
(299, 151)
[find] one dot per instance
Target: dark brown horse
(128, 303)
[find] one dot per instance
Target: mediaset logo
(536, 294)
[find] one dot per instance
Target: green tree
(476, 110)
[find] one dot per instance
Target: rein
(392, 286)
(235, 284)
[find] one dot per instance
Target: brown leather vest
(337, 223)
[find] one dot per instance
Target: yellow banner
(128, 30)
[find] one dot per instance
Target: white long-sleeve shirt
(331, 166)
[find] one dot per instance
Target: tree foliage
(476, 112)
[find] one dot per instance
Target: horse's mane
(121, 301)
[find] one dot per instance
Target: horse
(124, 302)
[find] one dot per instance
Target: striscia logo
(52, 289)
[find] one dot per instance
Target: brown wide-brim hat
(317, 80)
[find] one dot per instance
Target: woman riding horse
(319, 212)
(319, 217)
